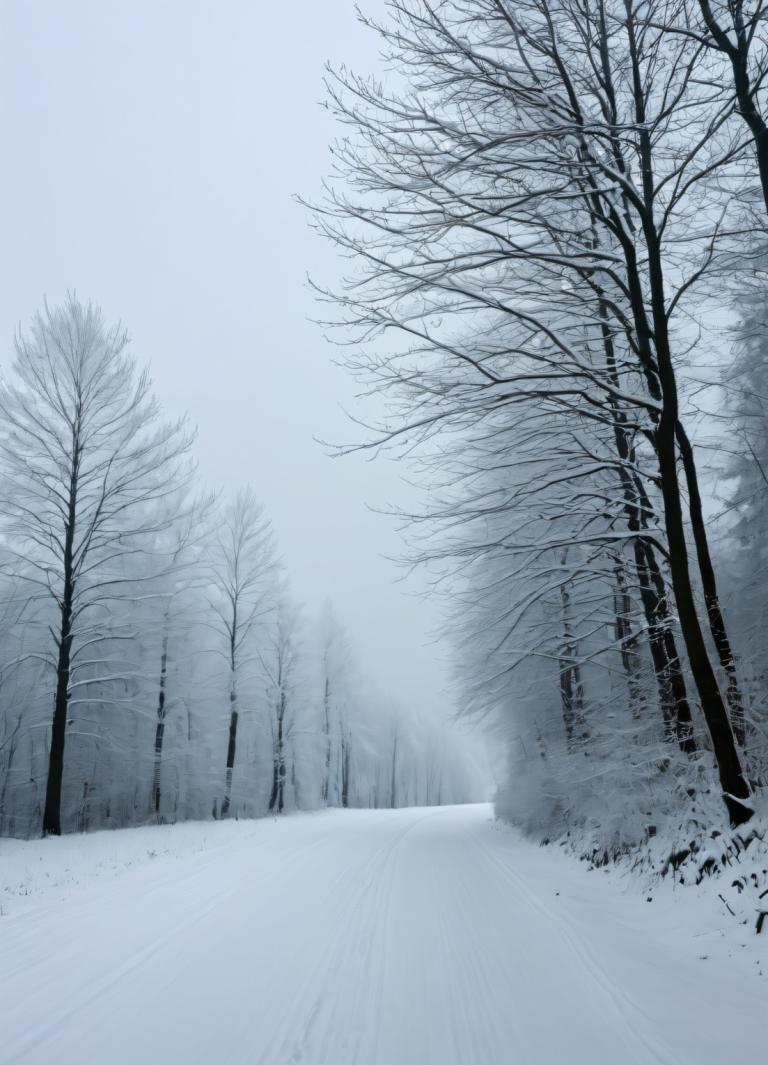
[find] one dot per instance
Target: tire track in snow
(359, 947)
(625, 1009)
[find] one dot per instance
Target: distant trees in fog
(152, 663)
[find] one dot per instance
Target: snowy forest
(384, 532)
(155, 665)
(553, 216)
(555, 212)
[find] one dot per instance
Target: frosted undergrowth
(729, 866)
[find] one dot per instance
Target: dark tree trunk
(274, 791)
(736, 792)
(233, 714)
(344, 770)
(277, 796)
(280, 766)
(734, 785)
(735, 789)
(571, 687)
(231, 748)
(52, 812)
(676, 710)
(160, 729)
(709, 586)
(673, 698)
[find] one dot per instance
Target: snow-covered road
(410, 937)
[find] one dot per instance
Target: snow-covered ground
(407, 937)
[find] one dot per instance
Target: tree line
(556, 215)
(154, 664)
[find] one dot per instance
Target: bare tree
(242, 577)
(176, 596)
(89, 469)
(520, 205)
(337, 667)
(279, 663)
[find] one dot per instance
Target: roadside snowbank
(34, 872)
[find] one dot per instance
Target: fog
(153, 152)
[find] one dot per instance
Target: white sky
(151, 150)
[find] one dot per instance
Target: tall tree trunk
(736, 791)
(277, 796)
(231, 748)
(281, 787)
(673, 698)
(676, 710)
(52, 812)
(709, 586)
(627, 639)
(344, 770)
(160, 728)
(281, 759)
(571, 687)
(274, 790)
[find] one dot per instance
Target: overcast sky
(151, 151)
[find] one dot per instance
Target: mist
(158, 149)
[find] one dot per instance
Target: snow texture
(402, 937)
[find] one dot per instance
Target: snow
(405, 937)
